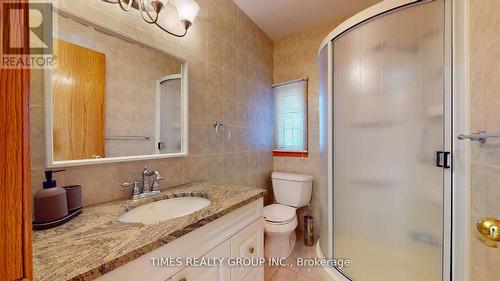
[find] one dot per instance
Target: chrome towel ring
(217, 124)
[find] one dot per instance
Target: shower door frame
(455, 193)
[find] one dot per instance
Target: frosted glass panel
(170, 116)
(388, 124)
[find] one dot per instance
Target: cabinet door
(214, 273)
(15, 197)
(248, 243)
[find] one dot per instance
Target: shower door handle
(443, 162)
(447, 160)
(438, 159)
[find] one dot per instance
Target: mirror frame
(48, 118)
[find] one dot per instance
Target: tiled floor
(292, 272)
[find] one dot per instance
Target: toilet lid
(279, 213)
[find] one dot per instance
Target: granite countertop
(95, 242)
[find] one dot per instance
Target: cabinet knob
(251, 250)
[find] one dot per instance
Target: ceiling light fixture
(150, 10)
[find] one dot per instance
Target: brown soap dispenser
(50, 203)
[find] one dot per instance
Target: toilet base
(279, 246)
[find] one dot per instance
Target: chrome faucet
(145, 181)
(150, 184)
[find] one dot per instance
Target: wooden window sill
(279, 153)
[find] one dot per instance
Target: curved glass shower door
(388, 100)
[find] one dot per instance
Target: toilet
(291, 191)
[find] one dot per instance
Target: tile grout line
(272, 275)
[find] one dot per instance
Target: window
(290, 109)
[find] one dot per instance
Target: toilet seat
(279, 223)
(279, 214)
(279, 229)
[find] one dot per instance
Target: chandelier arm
(128, 7)
(170, 32)
(149, 15)
(152, 20)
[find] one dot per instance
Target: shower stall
(385, 137)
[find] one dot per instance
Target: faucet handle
(135, 190)
(158, 177)
(156, 182)
(127, 183)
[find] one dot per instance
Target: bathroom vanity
(96, 245)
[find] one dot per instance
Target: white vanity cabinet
(215, 273)
(238, 234)
(248, 243)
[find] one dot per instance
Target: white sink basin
(164, 209)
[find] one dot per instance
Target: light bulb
(187, 10)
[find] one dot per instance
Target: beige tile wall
(230, 76)
(485, 115)
(296, 57)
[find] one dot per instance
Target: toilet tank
(292, 189)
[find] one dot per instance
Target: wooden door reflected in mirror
(78, 102)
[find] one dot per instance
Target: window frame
(292, 153)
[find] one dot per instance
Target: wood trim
(277, 153)
(26, 166)
(15, 171)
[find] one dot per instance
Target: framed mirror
(109, 98)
